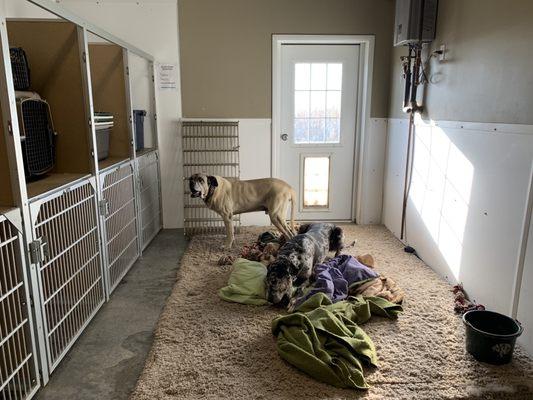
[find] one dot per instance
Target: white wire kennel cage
(118, 210)
(65, 250)
(210, 147)
(18, 366)
(149, 196)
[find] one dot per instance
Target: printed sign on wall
(167, 76)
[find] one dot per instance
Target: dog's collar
(209, 194)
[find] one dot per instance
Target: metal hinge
(38, 251)
(103, 207)
(127, 70)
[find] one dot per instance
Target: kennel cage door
(149, 196)
(118, 213)
(69, 271)
(18, 371)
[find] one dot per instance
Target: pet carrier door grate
(149, 197)
(210, 147)
(20, 68)
(18, 378)
(70, 274)
(37, 134)
(120, 222)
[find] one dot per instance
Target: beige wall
(226, 48)
(489, 74)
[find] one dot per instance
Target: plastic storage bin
(103, 125)
(20, 68)
(36, 134)
(138, 116)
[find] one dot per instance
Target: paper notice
(167, 76)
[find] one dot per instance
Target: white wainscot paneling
(254, 156)
(254, 140)
(372, 172)
(394, 174)
(467, 201)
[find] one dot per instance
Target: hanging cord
(408, 173)
(424, 76)
(411, 109)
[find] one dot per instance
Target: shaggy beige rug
(205, 348)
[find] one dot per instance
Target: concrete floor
(109, 356)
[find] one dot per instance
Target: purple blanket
(335, 276)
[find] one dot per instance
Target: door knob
(284, 137)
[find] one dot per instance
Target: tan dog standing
(228, 197)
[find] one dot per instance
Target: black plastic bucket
(490, 336)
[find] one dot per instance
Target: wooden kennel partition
(117, 183)
(55, 57)
(142, 79)
(109, 93)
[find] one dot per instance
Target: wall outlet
(442, 55)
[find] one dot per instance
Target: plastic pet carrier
(20, 68)
(138, 116)
(103, 123)
(36, 134)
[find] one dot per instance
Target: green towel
(246, 283)
(324, 340)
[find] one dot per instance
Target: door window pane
(301, 130)
(332, 130)
(316, 130)
(317, 99)
(318, 104)
(316, 182)
(333, 104)
(301, 104)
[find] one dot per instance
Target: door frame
(364, 101)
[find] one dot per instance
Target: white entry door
(319, 85)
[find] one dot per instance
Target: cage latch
(103, 206)
(38, 251)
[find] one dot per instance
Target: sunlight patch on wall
(440, 190)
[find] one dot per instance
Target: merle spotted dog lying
(297, 257)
